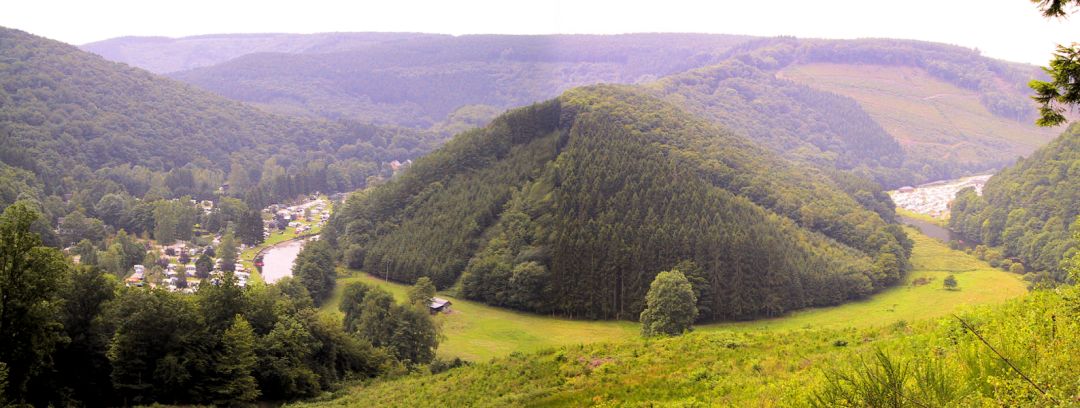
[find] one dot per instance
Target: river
(933, 199)
(934, 231)
(278, 260)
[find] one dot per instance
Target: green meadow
(477, 332)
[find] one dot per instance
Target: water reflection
(278, 260)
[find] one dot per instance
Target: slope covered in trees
(76, 126)
(820, 100)
(419, 81)
(947, 111)
(1029, 209)
(574, 205)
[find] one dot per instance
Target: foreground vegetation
(71, 335)
(477, 332)
(945, 361)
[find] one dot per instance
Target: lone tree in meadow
(950, 282)
(670, 305)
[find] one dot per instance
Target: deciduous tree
(32, 278)
(670, 305)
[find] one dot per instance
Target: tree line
(1028, 210)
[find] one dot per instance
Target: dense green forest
(572, 206)
(1029, 210)
(71, 335)
(83, 135)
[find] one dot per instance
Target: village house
(439, 305)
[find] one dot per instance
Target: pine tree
(314, 268)
(203, 266)
(227, 251)
(250, 227)
(235, 383)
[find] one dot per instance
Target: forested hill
(1029, 209)
(418, 82)
(164, 55)
(900, 112)
(75, 125)
(572, 206)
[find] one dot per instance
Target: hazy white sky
(1007, 29)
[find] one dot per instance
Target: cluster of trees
(1030, 209)
(73, 336)
(315, 268)
(572, 206)
(406, 330)
(101, 144)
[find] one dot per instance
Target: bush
(1017, 268)
(950, 282)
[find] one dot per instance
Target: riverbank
(933, 198)
(309, 228)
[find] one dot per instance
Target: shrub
(1017, 268)
(950, 282)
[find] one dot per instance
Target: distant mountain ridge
(418, 82)
(899, 112)
(162, 55)
(832, 103)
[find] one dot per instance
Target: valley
(415, 219)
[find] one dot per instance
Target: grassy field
(769, 368)
(941, 222)
(478, 332)
(929, 117)
(932, 261)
